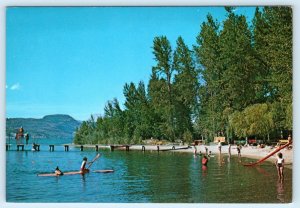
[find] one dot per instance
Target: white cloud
(15, 86)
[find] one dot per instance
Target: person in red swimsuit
(204, 160)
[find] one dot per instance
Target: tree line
(236, 81)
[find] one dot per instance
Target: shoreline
(252, 152)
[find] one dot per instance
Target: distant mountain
(50, 126)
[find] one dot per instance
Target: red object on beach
(269, 155)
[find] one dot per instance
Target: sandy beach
(249, 151)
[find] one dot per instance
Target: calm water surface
(141, 177)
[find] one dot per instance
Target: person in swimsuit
(239, 150)
(84, 170)
(209, 154)
(219, 146)
(58, 171)
(204, 160)
(280, 165)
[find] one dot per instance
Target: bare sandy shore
(250, 151)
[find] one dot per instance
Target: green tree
(259, 120)
(137, 111)
(273, 46)
(185, 87)
(238, 63)
(207, 53)
(161, 91)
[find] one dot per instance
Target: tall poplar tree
(185, 88)
(273, 45)
(161, 83)
(207, 53)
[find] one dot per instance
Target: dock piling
(37, 147)
(66, 148)
(20, 145)
(112, 148)
(51, 146)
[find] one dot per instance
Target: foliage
(235, 82)
(256, 119)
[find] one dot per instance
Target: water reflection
(204, 170)
(262, 171)
(280, 190)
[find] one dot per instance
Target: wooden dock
(66, 147)
(52, 147)
(113, 147)
(173, 148)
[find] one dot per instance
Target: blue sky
(72, 60)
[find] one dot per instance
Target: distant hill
(50, 126)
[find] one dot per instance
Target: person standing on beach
(239, 150)
(280, 165)
(290, 138)
(290, 141)
(219, 146)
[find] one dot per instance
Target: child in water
(280, 165)
(204, 160)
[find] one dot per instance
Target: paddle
(97, 156)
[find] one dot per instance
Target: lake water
(151, 177)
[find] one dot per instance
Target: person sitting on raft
(204, 160)
(84, 170)
(58, 171)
